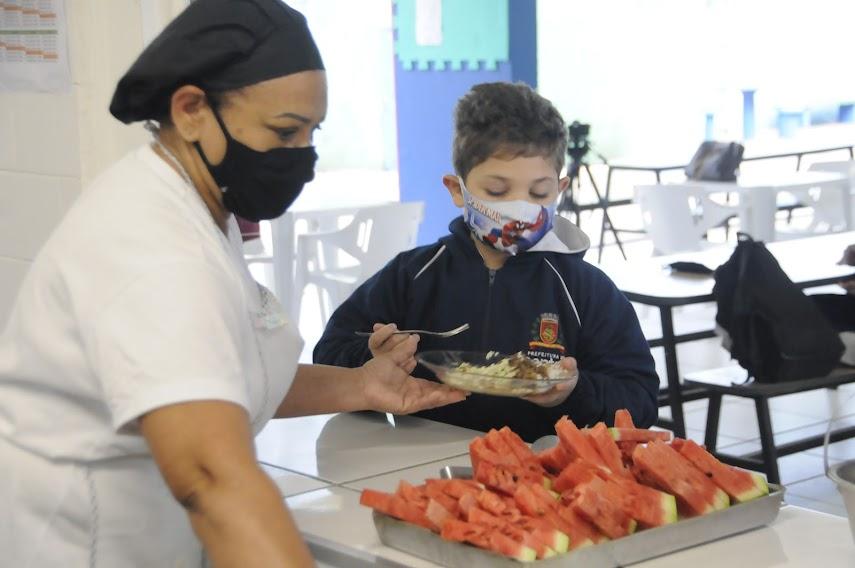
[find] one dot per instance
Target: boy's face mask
(509, 226)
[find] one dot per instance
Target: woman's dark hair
(507, 119)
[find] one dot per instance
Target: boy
(513, 270)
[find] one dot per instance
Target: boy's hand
(383, 341)
(559, 393)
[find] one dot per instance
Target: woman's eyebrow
(295, 116)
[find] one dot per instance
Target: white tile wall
(30, 208)
(53, 144)
(45, 133)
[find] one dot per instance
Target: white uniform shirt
(136, 301)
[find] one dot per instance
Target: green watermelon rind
(760, 489)
(669, 508)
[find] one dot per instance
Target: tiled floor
(793, 416)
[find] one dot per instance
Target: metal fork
(449, 333)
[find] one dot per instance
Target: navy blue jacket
(548, 304)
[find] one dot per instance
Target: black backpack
(775, 331)
(715, 161)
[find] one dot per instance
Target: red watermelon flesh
(461, 531)
(491, 502)
(608, 449)
(510, 548)
(582, 532)
(741, 485)
(497, 443)
(554, 459)
(412, 494)
(447, 501)
(623, 419)
(696, 494)
(648, 506)
(437, 514)
(377, 500)
(518, 446)
(406, 511)
(638, 435)
(466, 502)
(455, 488)
(577, 444)
(479, 451)
(596, 501)
(575, 474)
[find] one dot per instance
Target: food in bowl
(494, 373)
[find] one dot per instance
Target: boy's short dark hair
(506, 118)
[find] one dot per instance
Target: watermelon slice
(741, 485)
(461, 531)
(554, 459)
(577, 444)
(437, 514)
(406, 511)
(608, 449)
(479, 451)
(638, 435)
(600, 503)
(498, 444)
(696, 494)
(491, 502)
(510, 548)
(582, 533)
(412, 494)
(455, 488)
(623, 419)
(648, 506)
(575, 474)
(520, 449)
(377, 500)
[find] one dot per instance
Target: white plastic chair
(677, 216)
(828, 215)
(339, 261)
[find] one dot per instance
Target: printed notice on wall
(33, 46)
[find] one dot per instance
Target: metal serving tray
(637, 547)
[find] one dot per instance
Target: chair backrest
(370, 240)
(676, 216)
(828, 214)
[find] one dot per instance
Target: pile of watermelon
(597, 484)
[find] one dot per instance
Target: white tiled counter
(321, 464)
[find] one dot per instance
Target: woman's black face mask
(260, 185)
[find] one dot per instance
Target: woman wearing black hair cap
(141, 358)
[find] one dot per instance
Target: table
(758, 196)
(363, 450)
(809, 262)
(753, 152)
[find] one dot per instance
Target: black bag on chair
(772, 329)
(715, 161)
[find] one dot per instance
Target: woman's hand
(559, 393)
(384, 340)
(388, 387)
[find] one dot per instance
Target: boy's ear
(563, 183)
(453, 184)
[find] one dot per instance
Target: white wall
(52, 145)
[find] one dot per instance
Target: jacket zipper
(486, 333)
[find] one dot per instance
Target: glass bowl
(483, 372)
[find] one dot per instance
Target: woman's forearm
(242, 521)
(204, 451)
(323, 389)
